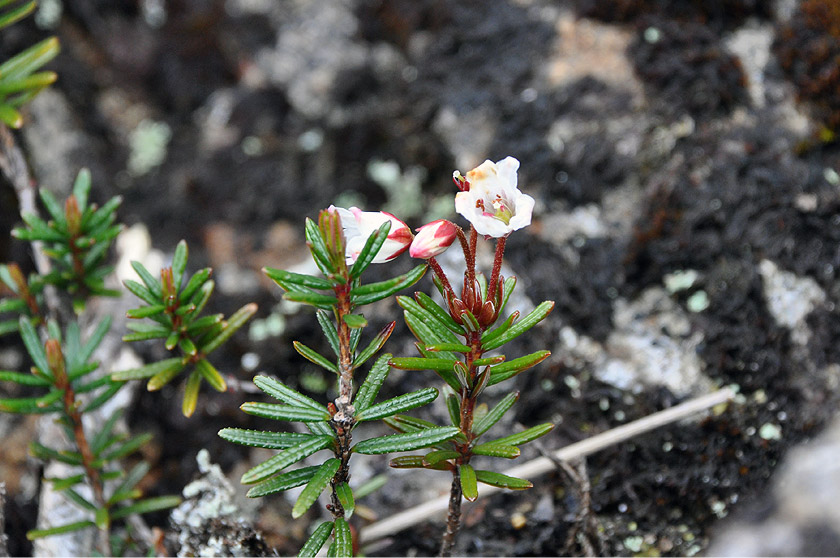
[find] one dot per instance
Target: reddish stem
(497, 269)
(471, 256)
(441, 275)
(72, 411)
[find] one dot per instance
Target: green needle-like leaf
(191, 389)
(316, 485)
(211, 375)
(502, 481)
(141, 292)
(81, 188)
(132, 479)
(34, 347)
(508, 286)
(170, 364)
(101, 518)
(179, 263)
(373, 382)
(453, 405)
(163, 377)
(469, 486)
(263, 439)
(60, 530)
(284, 412)
(525, 436)
(517, 329)
(282, 392)
(407, 462)
(342, 539)
(405, 423)
(236, 321)
(29, 60)
(51, 205)
(282, 277)
(384, 289)
(435, 457)
(283, 481)
(147, 506)
(316, 541)
(152, 284)
(399, 404)
(375, 344)
(318, 247)
(441, 315)
(16, 14)
(329, 330)
(126, 448)
(511, 368)
(496, 450)
(313, 356)
(449, 347)
(285, 458)
(355, 321)
(196, 281)
(419, 363)
(429, 329)
(43, 452)
(345, 496)
(405, 442)
(61, 484)
(322, 301)
(23, 379)
(496, 413)
(370, 250)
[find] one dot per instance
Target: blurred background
(683, 158)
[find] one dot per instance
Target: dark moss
(808, 50)
(685, 66)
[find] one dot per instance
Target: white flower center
(501, 209)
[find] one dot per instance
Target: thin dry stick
(542, 465)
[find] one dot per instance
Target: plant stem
(453, 519)
(441, 275)
(497, 269)
(471, 257)
(94, 479)
(343, 420)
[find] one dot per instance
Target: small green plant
(454, 341)
(343, 244)
(20, 81)
(76, 238)
(459, 340)
(64, 379)
(174, 305)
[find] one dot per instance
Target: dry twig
(542, 465)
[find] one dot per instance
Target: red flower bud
(432, 239)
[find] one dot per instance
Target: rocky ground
(687, 225)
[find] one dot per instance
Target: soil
(687, 159)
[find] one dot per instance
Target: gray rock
(805, 517)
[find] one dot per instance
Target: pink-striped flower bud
(358, 225)
(432, 239)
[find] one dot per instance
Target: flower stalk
(455, 339)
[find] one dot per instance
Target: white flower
(433, 239)
(358, 225)
(492, 202)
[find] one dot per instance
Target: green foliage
(20, 80)
(173, 307)
(76, 238)
(336, 297)
(63, 370)
(453, 342)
